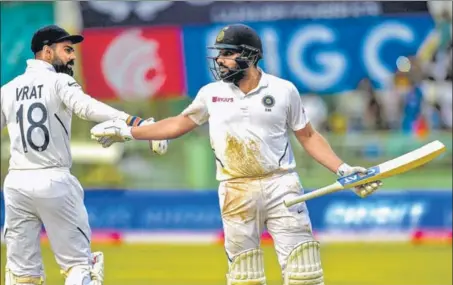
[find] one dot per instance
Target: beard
(231, 75)
(61, 67)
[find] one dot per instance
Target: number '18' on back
(38, 123)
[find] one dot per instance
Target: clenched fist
(362, 190)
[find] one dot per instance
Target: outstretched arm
(169, 128)
(86, 107)
(193, 116)
(196, 114)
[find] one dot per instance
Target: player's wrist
(134, 121)
(343, 169)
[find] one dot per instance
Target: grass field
(348, 264)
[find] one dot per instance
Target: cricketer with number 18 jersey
(37, 108)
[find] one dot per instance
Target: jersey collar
(263, 80)
(39, 64)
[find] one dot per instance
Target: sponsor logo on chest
(216, 99)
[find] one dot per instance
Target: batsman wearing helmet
(251, 115)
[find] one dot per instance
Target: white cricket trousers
(49, 197)
(249, 205)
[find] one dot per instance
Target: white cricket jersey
(249, 133)
(37, 108)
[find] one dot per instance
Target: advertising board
(384, 216)
(133, 64)
(324, 56)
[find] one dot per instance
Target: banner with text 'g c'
(319, 56)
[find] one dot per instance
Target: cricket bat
(386, 169)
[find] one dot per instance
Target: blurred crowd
(417, 99)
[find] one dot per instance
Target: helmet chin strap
(234, 76)
(237, 74)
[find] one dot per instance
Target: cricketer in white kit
(39, 188)
(250, 115)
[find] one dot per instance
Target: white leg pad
(247, 268)
(304, 265)
(11, 279)
(97, 273)
(78, 275)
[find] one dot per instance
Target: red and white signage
(133, 63)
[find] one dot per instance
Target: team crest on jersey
(268, 102)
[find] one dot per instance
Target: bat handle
(302, 198)
(313, 194)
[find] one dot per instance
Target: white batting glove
(109, 132)
(361, 190)
(135, 121)
(158, 147)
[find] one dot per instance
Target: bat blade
(395, 166)
(386, 169)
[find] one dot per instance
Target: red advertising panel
(133, 63)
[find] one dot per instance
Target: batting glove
(132, 121)
(109, 132)
(123, 134)
(361, 190)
